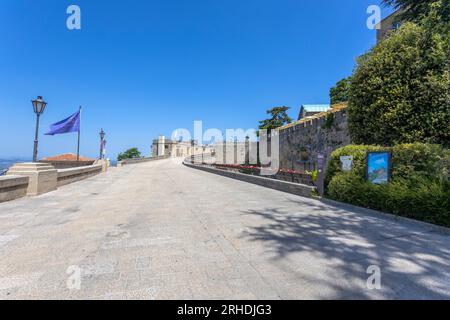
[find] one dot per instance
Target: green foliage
(329, 120)
(279, 118)
(314, 175)
(419, 160)
(419, 188)
(415, 10)
(339, 93)
(358, 152)
(425, 200)
(399, 91)
(129, 154)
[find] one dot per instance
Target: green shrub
(129, 154)
(399, 92)
(419, 187)
(350, 188)
(424, 200)
(358, 152)
(429, 161)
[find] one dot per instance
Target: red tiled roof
(67, 157)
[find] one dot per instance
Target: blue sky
(143, 68)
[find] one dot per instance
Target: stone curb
(139, 160)
(284, 186)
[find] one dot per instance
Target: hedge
(419, 187)
(399, 92)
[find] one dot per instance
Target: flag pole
(79, 131)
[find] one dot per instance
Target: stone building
(391, 22)
(178, 149)
(230, 153)
(308, 110)
(67, 160)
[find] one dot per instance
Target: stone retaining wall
(66, 176)
(68, 164)
(13, 187)
(139, 160)
(33, 179)
(289, 187)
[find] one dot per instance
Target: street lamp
(38, 106)
(102, 138)
(104, 148)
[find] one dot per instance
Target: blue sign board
(378, 167)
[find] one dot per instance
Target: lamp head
(39, 105)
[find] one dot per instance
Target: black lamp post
(104, 149)
(102, 138)
(38, 106)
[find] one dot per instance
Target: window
(396, 25)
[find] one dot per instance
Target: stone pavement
(163, 231)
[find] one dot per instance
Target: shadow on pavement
(415, 263)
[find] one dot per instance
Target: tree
(400, 90)
(339, 93)
(129, 154)
(279, 118)
(415, 10)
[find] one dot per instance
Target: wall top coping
(252, 177)
(138, 160)
(309, 120)
(30, 167)
(78, 170)
(12, 181)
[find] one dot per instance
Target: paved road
(163, 231)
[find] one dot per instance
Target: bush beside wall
(419, 187)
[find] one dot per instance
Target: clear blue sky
(143, 68)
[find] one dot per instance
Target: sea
(5, 163)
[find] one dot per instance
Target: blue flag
(70, 124)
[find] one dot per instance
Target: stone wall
(66, 176)
(388, 24)
(178, 149)
(33, 179)
(231, 153)
(301, 141)
(67, 164)
(13, 187)
(289, 187)
(140, 160)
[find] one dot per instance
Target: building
(162, 147)
(67, 160)
(391, 22)
(308, 110)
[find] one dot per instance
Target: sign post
(346, 163)
(320, 175)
